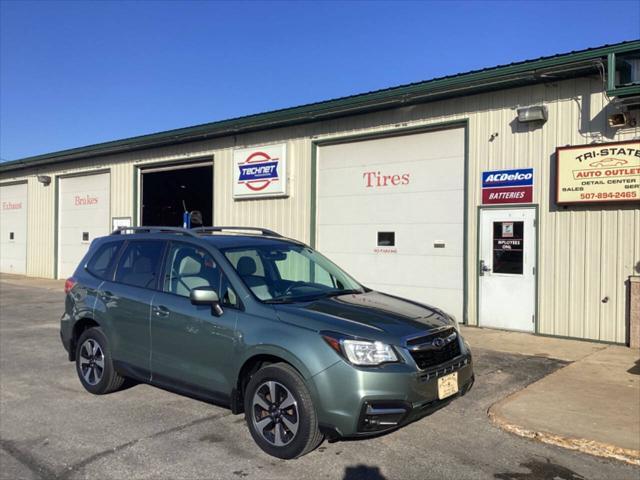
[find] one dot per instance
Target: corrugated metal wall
(586, 253)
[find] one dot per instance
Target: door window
(508, 247)
(188, 267)
(140, 263)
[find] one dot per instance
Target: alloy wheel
(275, 413)
(91, 361)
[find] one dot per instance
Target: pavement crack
(105, 453)
(27, 459)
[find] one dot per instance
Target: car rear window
(101, 262)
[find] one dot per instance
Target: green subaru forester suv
(264, 325)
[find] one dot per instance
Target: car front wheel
(280, 413)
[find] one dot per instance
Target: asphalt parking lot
(51, 428)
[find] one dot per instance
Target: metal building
(508, 196)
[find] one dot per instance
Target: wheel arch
(254, 361)
(79, 327)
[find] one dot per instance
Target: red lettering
(88, 200)
(368, 176)
(375, 179)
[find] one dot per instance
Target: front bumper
(354, 402)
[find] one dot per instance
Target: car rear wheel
(94, 364)
(280, 413)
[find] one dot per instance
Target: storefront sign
(507, 186)
(606, 172)
(260, 172)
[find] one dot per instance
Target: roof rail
(263, 231)
(178, 230)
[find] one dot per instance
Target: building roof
(526, 72)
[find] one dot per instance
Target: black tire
(104, 378)
(307, 436)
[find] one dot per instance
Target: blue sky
(78, 73)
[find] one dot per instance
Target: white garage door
(391, 213)
(83, 214)
(13, 228)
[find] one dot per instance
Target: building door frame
(177, 164)
(536, 276)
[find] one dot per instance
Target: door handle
(107, 295)
(483, 268)
(161, 311)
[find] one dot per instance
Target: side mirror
(206, 296)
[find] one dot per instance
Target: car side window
(140, 263)
(188, 267)
(101, 262)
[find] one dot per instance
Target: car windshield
(289, 273)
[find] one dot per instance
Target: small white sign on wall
(260, 172)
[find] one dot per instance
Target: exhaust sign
(598, 173)
(260, 172)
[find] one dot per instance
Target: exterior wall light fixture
(44, 179)
(537, 113)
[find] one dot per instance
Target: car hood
(372, 315)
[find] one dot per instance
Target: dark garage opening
(164, 191)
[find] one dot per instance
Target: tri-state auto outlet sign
(260, 172)
(507, 186)
(597, 173)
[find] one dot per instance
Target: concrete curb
(591, 447)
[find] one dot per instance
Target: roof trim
(503, 76)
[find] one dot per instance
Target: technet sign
(507, 186)
(260, 172)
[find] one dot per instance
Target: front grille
(430, 337)
(430, 357)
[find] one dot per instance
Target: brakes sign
(507, 186)
(260, 172)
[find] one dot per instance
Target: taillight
(69, 284)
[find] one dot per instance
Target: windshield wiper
(335, 293)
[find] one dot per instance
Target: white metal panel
(83, 215)
(507, 296)
(412, 185)
(13, 228)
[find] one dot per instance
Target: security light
(537, 113)
(618, 120)
(44, 179)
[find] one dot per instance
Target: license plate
(448, 385)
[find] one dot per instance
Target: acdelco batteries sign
(507, 186)
(597, 173)
(260, 172)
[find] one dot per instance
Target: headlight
(361, 352)
(368, 353)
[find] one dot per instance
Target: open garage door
(391, 212)
(168, 190)
(83, 214)
(13, 228)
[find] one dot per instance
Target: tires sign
(598, 173)
(260, 172)
(507, 186)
